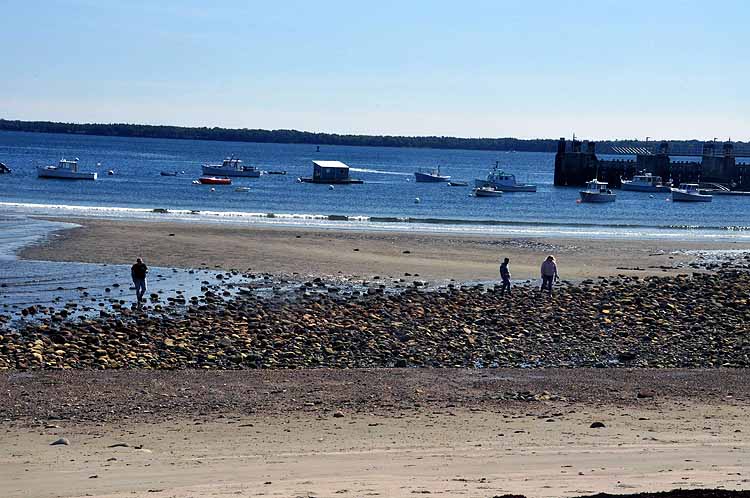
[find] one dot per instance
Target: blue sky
(600, 69)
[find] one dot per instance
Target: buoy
(213, 189)
(651, 196)
(417, 200)
(578, 201)
(111, 172)
(330, 187)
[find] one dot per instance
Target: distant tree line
(304, 137)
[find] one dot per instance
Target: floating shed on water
(330, 172)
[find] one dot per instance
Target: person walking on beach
(138, 273)
(505, 277)
(549, 274)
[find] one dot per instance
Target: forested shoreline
(304, 137)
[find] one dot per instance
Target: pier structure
(576, 163)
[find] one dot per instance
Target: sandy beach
(166, 419)
(389, 433)
(335, 253)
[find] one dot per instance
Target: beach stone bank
(699, 320)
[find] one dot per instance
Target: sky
(530, 69)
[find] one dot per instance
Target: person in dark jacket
(138, 273)
(505, 277)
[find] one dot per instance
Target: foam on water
(375, 223)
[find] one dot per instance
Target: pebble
(618, 322)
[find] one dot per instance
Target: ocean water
(386, 201)
(92, 287)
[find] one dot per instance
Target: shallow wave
(391, 223)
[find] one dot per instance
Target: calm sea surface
(386, 201)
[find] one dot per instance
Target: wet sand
(387, 433)
(336, 253)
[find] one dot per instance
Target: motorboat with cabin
(501, 180)
(689, 192)
(432, 176)
(645, 182)
(67, 170)
(487, 191)
(231, 166)
(597, 191)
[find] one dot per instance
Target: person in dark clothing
(505, 277)
(138, 273)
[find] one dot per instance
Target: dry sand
(473, 448)
(322, 252)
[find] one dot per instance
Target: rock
(61, 441)
(597, 425)
(338, 414)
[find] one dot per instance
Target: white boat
(501, 180)
(231, 167)
(645, 182)
(67, 170)
(689, 192)
(487, 191)
(432, 176)
(597, 191)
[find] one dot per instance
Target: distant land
(305, 137)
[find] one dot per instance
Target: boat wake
(380, 172)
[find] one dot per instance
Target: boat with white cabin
(500, 180)
(597, 191)
(67, 170)
(231, 167)
(689, 192)
(645, 182)
(432, 176)
(487, 191)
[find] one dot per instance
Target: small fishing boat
(487, 191)
(501, 180)
(168, 173)
(597, 191)
(432, 176)
(645, 182)
(276, 172)
(242, 189)
(67, 170)
(458, 184)
(689, 192)
(231, 167)
(4, 169)
(213, 180)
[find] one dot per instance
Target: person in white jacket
(549, 274)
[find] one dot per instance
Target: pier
(576, 163)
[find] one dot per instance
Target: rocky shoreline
(696, 321)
